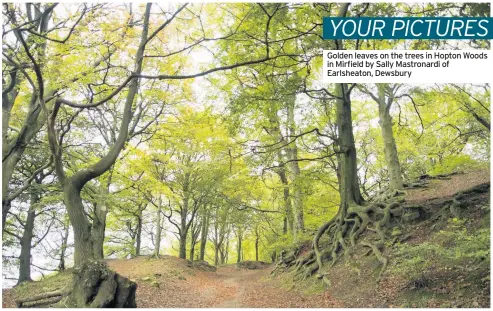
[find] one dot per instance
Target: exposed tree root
(388, 195)
(454, 206)
(341, 235)
(343, 232)
(423, 180)
(375, 247)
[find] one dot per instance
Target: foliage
(454, 247)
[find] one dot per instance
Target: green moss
(49, 283)
(314, 286)
(452, 248)
(418, 298)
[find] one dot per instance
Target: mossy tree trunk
(98, 229)
(96, 286)
(349, 187)
(99, 217)
(83, 243)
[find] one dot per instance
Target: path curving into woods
(239, 288)
(168, 283)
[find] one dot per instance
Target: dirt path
(168, 283)
(233, 281)
(231, 287)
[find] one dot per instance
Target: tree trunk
(203, 233)
(216, 254)
(64, 245)
(183, 222)
(223, 249)
(157, 243)
(5, 210)
(238, 248)
(98, 229)
(216, 239)
(256, 248)
(99, 219)
(257, 238)
(196, 227)
(96, 286)
(349, 188)
(348, 166)
(193, 241)
(288, 210)
(83, 245)
(390, 148)
(226, 250)
(183, 247)
(139, 234)
(26, 241)
(299, 224)
(192, 251)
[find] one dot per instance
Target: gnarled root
(388, 195)
(455, 205)
(375, 247)
(344, 230)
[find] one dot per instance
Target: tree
(384, 98)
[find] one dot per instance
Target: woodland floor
(228, 287)
(168, 282)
